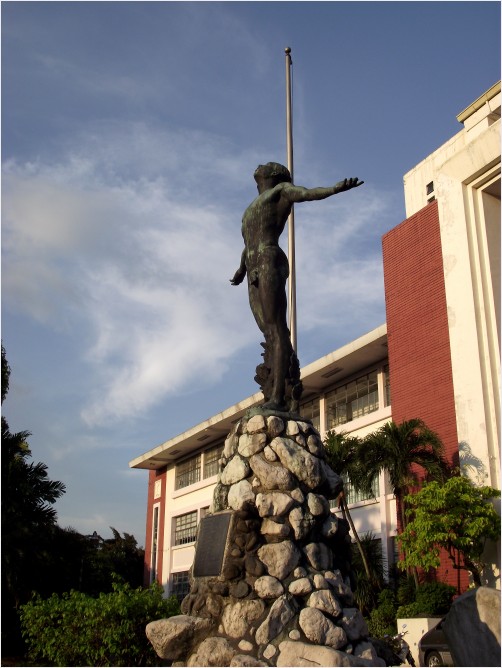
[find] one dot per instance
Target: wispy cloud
(136, 267)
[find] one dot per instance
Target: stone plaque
(211, 543)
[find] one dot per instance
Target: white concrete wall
(178, 502)
(464, 172)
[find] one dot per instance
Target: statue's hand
(347, 184)
(238, 276)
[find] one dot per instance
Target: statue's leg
(272, 291)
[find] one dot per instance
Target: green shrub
(382, 620)
(432, 599)
(77, 630)
(407, 590)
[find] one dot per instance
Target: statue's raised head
(273, 170)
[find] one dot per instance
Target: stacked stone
(283, 597)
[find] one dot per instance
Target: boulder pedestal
(272, 587)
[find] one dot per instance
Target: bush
(382, 620)
(432, 599)
(77, 630)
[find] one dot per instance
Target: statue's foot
(274, 406)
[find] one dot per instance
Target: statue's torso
(262, 225)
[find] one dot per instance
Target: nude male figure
(267, 270)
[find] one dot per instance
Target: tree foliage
(38, 555)
(456, 516)
(79, 630)
(397, 448)
(28, 517)
(343, 455)
(431, 599)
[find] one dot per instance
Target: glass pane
(188, 472)
(211, 459)
(355, 496)
(180, 585)
(185, 530)
(311, 410)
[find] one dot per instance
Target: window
(353, 496)
(188, 472)
(155, 538)
(211, 459)
(352, 400)
(180, 585)
(311, 411)
(387, 385)
(429, 188)
(185, 528)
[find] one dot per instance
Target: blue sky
(130, 133)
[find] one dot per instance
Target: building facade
(441, 343)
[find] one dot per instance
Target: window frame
(188, 472)
(185, 533)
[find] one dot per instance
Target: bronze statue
(267, 269)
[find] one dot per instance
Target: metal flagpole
(291, 219)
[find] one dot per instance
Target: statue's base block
(272, 587)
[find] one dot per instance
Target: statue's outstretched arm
(241, 271)
(301, 194)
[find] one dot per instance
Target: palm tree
(367, 589)
(396, 448)
(342, 456)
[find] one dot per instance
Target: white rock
(244, 660)
(292, 428)
(281, 612)
(315, 446)
(293, 653)
(304, 426)
(301, 523)
(305, 466)
(236, 469)
(297, 495)
(300, 439)
(255, 424)
(319, 556)
(230, 447)
(330, 526)
(269, 651)
(240, 494)
(279, 558)
(273, 503)
(172, 638)
(250, 444)
(267, 586)
(321, 630)
(325, 601)
(353, 623)
(365, 650)
(271, 528)
(245, 646)
(320, 582)
(238, 617)
(212, 652)
(317, 504)
(269, 454)
(271, 476)
(275, 426)
(300, 587)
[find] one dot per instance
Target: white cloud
(129, 243)
(139, 271)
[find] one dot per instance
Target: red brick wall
(152, 478)
(417, 331)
